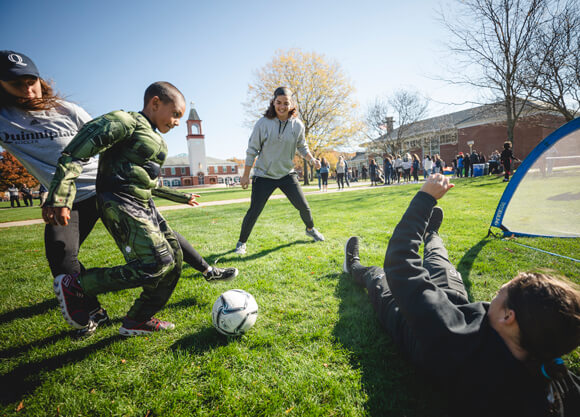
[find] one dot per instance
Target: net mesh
(547, 200)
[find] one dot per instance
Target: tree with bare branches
(492, 39)
(403, 108)
(553, 71)
(323, 94)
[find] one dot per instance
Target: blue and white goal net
(543, 196)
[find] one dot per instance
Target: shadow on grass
(73, 334)
(393, 387)
(28, 311)
(200, 342)
(216, 257)
(24, 379)
(466, 264)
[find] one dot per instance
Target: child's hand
(192, 201)
(437, 185)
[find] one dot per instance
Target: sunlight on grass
(316, 349)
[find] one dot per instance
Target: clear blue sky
(103, 54)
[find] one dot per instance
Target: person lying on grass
(493, 359)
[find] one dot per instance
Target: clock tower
(196, 146)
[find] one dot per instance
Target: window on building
(172, 170)
(448, 139)
(182, 170)
(175, 182)
(431, 146)
(166, 183)
(220, 180)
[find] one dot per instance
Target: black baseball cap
(14, 64)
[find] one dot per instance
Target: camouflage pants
(151, 251)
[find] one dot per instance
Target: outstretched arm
(176, 196)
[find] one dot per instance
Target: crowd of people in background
(405, 168)
(396, 169)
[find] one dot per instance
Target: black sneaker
(132, 327)
(350, 254)
(219, 274)
(100, 317)
(96, 313)
(72, 300)
(434, 221)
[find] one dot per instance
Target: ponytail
(563, 388)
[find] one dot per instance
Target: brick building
(481, 128)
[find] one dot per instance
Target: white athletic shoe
(240, 248)
(315, 234)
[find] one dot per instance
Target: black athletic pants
(262, 189)
(442, 273)
(62, 243)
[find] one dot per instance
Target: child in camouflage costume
(131, 155)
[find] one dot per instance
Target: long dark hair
(281, 91)
(48, 100)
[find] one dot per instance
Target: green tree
(323, 94)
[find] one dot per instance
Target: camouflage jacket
(131, 156)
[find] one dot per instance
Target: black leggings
(340, 180)
(62, 243)
(262, 189)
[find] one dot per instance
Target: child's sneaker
(219, 274)
(132, 327)
(72, 300)
(315, 234)
(100, 317)
(96, 313)
(240, 248)
(350, 254)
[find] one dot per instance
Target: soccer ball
(234, 312)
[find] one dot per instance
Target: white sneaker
(315, 234)
(240, 248)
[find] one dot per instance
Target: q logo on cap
(17, 59)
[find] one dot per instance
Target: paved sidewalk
(331, 189)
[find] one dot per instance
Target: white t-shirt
(37, 139)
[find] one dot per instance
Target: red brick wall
(527, 134)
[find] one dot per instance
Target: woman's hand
(56, 215)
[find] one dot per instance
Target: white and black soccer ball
(234, 312)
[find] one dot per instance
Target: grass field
(316, 349)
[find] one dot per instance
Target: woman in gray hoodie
(272, 145)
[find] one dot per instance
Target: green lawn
(316, 349)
